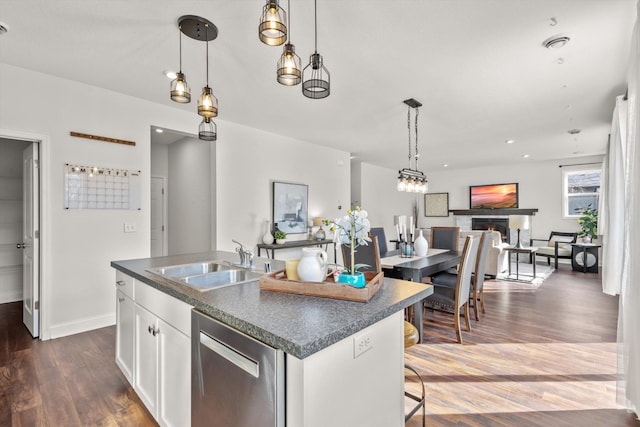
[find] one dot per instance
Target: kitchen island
(328, 380)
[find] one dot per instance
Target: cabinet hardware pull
(120, 283)
(149, 329)
(121, 299)
(155, 331)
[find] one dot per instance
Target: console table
(273, 247)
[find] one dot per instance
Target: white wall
(540, 187)
(189, 196)
(79, 291)
(160, 160)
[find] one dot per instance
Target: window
(581, 188)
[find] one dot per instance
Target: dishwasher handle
(225, 351)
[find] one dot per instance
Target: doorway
(20, 228)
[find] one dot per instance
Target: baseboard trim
(82, 325)
(10, 295)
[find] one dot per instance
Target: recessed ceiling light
(556, 41)
(553, 21)
(509, 141)
(159, 130)
(170, 74)
(445, 165)
(525, 156)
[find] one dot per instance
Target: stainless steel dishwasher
(236, 381)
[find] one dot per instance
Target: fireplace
(497, 224)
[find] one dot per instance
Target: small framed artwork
(436, 204)
(290, 207)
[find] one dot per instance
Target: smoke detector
(556, 41)
(4, 28)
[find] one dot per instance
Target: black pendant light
(412, 180)
(272, 30)
(289, 68)
(180, 90)
(208, 130)
(316, 79)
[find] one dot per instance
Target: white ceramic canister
(421, 245)
(313, 265)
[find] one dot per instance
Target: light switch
(129, 227)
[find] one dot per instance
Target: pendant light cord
(180, 41)
(417, 155)
(315, 14)
(409, 132)
(289, 21)
(206, 34)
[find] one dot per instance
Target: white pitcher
(313, 265)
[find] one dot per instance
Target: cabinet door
(174, 376)
(146, 359)
(125, 332)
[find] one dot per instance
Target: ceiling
(477, 66)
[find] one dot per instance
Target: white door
(31, 241)
(158, 232)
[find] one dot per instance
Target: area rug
(525, 281)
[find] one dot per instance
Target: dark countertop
(298, 325)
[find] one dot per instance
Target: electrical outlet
(361, 344)
(129, 227)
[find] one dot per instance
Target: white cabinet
(153, 349)
(125, 337)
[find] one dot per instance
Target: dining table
(415, 268)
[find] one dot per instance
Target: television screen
(494, 196)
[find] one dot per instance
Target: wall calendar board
(94, 187)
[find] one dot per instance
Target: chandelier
(412, 180)
(200, 29)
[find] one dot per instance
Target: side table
(584, 257)
(531, 251)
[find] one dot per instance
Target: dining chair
(454, 299)
(476, 295)
(444, 238)
(364, 254)
(382, 240)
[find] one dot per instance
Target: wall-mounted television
(493, 196)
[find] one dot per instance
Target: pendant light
(272, 30)
(289, 68)
(180, 90)
(316, 79)
(208, 130)
(207, 103)
(412, 180)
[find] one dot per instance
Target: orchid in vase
(352, 230)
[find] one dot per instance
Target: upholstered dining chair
(454, 299)
(364, 254)
(557, 246)
(444, 238)
(382, 240)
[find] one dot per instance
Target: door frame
(165, 213)
(44, 146)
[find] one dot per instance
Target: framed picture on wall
(436, 204)
(290, 207)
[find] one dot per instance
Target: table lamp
(519, 222)
(317, 222)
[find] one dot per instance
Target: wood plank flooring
(538, 357)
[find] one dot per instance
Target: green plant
(279, 235)
(588, 223)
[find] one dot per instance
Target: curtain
(611, 211)
(629, 308)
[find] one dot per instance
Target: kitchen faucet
(246, 256)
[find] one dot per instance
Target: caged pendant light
(289, 68)
(272, 30)
(199, 29)
(412, 180)
(316, 78)
(180, 90)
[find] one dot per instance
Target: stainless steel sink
(220, 279)
(185, 270)
(203, 276)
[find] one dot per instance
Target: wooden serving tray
(278, 282)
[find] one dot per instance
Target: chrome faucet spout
(246, 256)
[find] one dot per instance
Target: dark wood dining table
(415, 268)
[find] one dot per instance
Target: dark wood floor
(539, 357)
